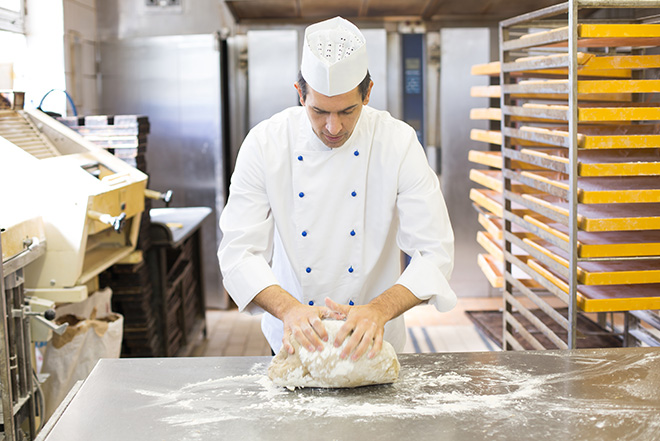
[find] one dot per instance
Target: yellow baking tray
(603, 190)
(604, 217)
(608, 297)
(602, 244)
(601, 163)
(616, 272)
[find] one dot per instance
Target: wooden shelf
(606, 298)
(603, 244)
(589, 138)
(595, 190)
(617, 272)
(591, 36)
(605, 217)
(599, 163)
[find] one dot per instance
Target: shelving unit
(579, 128)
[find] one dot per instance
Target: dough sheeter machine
(90, 201)
(599, 394)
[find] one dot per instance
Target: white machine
(90, 201)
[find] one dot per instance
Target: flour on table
(326, 369)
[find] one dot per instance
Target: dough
(327, 369)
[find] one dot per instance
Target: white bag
(91, 335)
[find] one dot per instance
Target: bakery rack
(579, 185)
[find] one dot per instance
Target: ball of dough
(326, 369)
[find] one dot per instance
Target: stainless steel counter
(602, 394)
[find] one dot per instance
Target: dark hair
(363, 87)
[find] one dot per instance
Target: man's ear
(365, 101)
(300, 95)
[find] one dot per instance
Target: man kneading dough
(322, 200)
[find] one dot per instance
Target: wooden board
(592, 36)
(496, 91)
(491, 268)
(605, 217)
(492, 179)
(602, 273)
(600, 163)
(494, 159)
(596, 138)
(603, 190)
(602, 244)
(550, 66)
(495, 114)
(588, 87)
(608, 297)
(593, 113)
(586, 61)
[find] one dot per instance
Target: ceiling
(443, 12)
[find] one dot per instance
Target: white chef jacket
(324, 222)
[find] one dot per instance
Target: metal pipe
(573, 161)
(5, 371)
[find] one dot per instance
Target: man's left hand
(367, 325)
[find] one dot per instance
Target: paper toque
(334, 58)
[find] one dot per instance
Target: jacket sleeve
(425, 232)
(247, 229)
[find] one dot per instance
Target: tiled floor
(231, 333)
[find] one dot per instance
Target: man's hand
(367, 322)
(304, 324)
(300, 321)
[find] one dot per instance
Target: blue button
(304, 234)
(350, 270)
(300, 158)
(301, 194)
(352, 194)
(352, 232)
(311, 303)
(351, 303)
(308, 269)
(356, 153)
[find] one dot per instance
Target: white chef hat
(334, 58)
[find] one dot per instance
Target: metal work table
(604, 394)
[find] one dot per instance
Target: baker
(323, 198)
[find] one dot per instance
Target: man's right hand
(304, 324)
(300, 321)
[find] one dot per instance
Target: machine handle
(45, 319)
(165, 197)
(116, 222)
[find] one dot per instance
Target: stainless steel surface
(272, 70)
(462, 48)
(600, 394)
(187, 220)
(175, 81)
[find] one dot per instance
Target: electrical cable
(73, 106)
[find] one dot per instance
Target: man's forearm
(275, 300)
(394, 302)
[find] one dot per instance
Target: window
(11, 15)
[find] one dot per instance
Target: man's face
(333, 118)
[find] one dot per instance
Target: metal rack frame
(508, 47)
